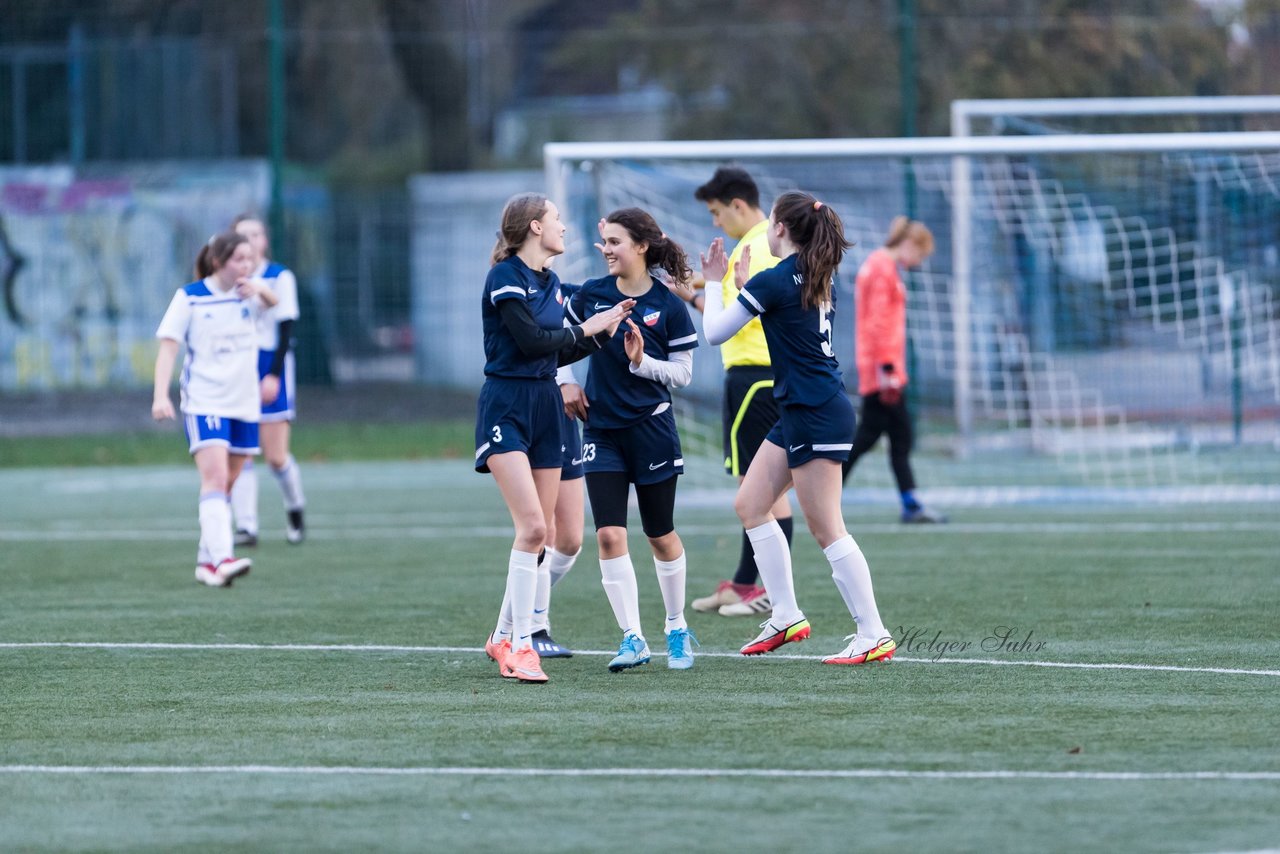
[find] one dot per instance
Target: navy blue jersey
(512, 279)
(804, 365)
(618, 397)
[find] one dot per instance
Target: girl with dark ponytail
(630, 435)
(795, 302)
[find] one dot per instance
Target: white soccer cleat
(207, 574)
(232, 568)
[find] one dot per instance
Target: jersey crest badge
(652, 318)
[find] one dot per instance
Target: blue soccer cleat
(680, 649)
(632, 653)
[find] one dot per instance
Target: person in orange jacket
(881, 355)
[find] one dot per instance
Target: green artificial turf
(413, 555)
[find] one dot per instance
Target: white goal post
(563, 159)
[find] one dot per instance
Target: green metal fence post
(907, 89)
(75, 92)
(276, 39)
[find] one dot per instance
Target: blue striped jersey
(805, 370)
(512, 279)
(618, 397)
(220, 369)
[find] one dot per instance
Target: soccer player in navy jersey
(216, 318)
(795, 303)
(630, 435)
(519, 436)
(279, 395)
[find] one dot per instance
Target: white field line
(446, 532)
(360, 648)
(757, 773)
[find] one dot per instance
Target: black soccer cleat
(295, 530)
(545, 647)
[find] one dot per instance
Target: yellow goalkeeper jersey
(748, 346)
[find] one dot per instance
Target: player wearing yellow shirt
(733, 200)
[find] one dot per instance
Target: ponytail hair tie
(664, 235)
(212, 238)
(817, 205)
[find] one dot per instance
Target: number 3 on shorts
(497, 432)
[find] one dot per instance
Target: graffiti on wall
(90, 260)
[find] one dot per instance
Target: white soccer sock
(554, 566)
(852, 576)
(542, 596)
(215, 526)
(560, 563)
(290, 480)
(671, 578)
(522, 581)
(504, 627)
(619, 580)
(244, 499)
(773, 559)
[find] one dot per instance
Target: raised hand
(633, 342)
(742, 269)
(715, 263)
(607, 321)
(600, 228)
(685, 288)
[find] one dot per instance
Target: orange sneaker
(523, 664)
(864, 650)
(498, 652)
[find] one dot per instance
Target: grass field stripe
(760, 773)
(505, 531)
(336, 647)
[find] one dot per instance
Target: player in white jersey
(276, 378)
(215, 317)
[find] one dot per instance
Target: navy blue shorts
(647, 451)
(571, 449)
(282, 408)
(815, 432)
(520, 415)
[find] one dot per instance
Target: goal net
(1101, 310)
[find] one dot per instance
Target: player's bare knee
(568, 544)
(612, 541)
(667, 547)
(751, 513)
